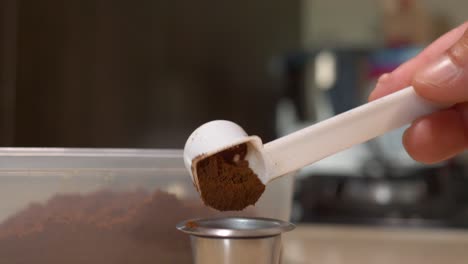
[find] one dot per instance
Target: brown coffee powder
(226, 182)
(191, 224)
(104, 227)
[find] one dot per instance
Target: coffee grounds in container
(104, 227)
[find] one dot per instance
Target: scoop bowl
(216, 136)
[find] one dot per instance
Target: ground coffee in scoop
(226, 182)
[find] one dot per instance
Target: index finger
(403, 75)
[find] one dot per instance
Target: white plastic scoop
(308, 145)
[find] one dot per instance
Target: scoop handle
(340, 132)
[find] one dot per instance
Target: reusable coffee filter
(236, 240)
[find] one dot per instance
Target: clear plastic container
(105, 205)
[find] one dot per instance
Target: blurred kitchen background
(144, 74)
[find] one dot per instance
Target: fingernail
(439, 72)
(383, 78)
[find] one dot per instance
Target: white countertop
(365, 245)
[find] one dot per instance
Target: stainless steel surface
(208, 250)
(236, 240)
(235, 227)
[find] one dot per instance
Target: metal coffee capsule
(236, 239)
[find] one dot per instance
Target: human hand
(440, 74)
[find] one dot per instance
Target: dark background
(138, 73)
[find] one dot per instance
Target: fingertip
(436, 137)
(380, 87)
(418, 144)
(413, 150)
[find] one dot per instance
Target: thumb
(445, 80)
